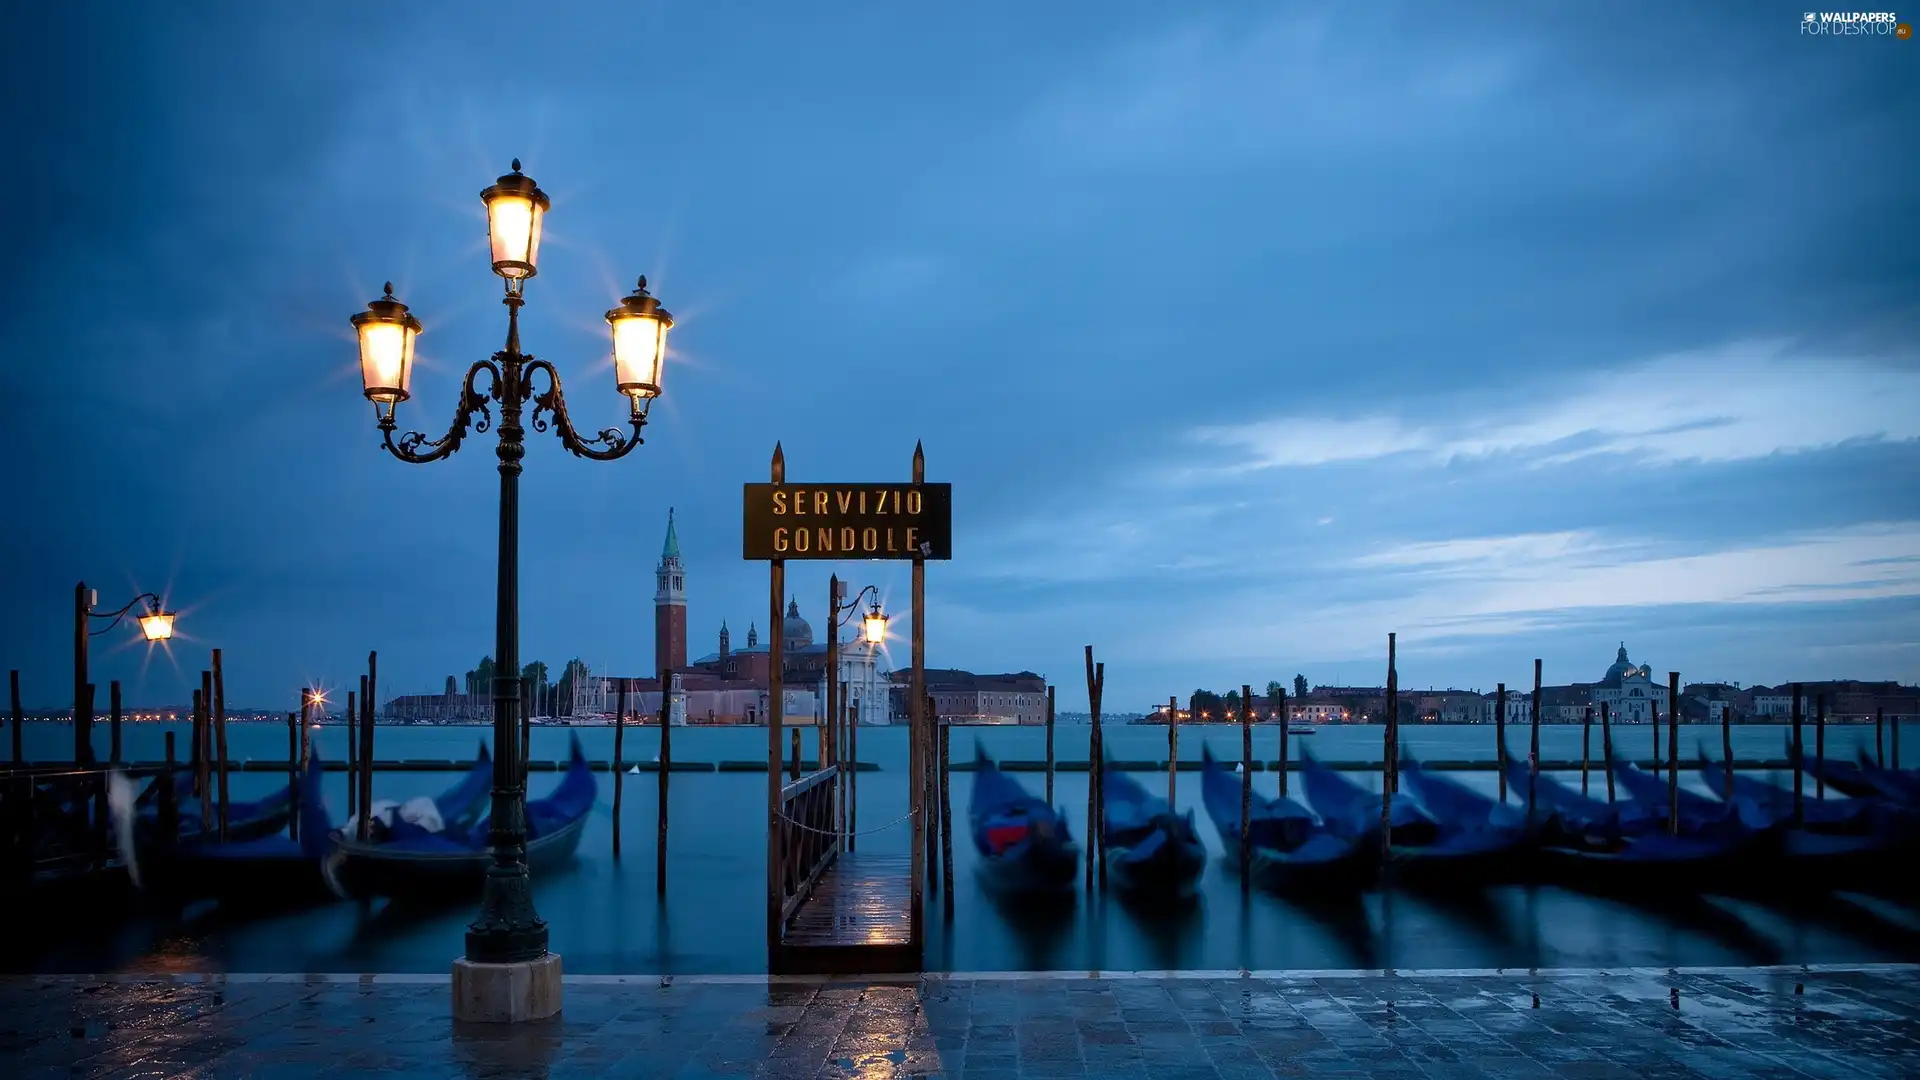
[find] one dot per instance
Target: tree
(1204, 705)
(480, 679)
(1300, 686)
(1274, 690)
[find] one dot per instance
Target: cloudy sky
(1245, 333)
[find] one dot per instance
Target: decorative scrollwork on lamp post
(508, 930)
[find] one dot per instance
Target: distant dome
(795, 631)
(1621, 668)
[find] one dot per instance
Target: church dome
(795, 631)
(1621, 668)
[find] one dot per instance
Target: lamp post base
(506, 993)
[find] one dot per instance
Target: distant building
(962, 697)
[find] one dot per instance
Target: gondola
(1835, 843)
(1024, 844)
(413, 863)
(1292, 852)
(1424, 849)
(1151, 851)
(265, 870)
(1845, 815)
(249, 819)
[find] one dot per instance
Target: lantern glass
(516, 209)
(876, 626)
(157, 625)
(387, 333)
(640, 328)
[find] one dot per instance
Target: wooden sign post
(781, 521)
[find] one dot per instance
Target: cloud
(1731, 404)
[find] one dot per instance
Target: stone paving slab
(1719, 1023)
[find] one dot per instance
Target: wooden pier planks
(857, 921)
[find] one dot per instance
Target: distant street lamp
(156, 624)
(508, 931)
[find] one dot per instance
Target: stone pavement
(1745, 1023)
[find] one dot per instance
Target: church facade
(730, 685)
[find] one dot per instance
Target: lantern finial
(516, 164)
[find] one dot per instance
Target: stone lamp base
(506, 993)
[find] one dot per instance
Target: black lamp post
(508, 930)
(156, 624)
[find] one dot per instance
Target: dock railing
(54, 821)
(807, 840)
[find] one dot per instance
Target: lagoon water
(607, 919)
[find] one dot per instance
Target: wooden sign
(847, 521)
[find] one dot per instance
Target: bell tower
(669, 607)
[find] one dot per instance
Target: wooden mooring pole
(1726, 741)
(936, 826)
(619, 757)
(169, 804)
(1586, 744)
(220, 736)
(203, 703)
(946, 823)
(1879, 737)
(793, 760)
(664, 787)
(13, 693)
(1606, 748)
(1500, 737)
(113, 722)
(1285, 765)
(1799, 758)
(1673, 753)
(1820, 748)
(1533, 746)
(366, 750)
(1173, 755)
(1653, 715)
(1246, 783)
(853, 777)
(293, 775)
(776, 710)
(1049, 747)
(1386, 756)
(1093, 767)
(353, 751)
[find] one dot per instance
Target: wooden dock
(857, 919)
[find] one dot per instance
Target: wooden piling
(1726, 741)
(1586, 744)
(1799, 759)
(204, 777)
(1284, 763)
(1653, 716)
(1093, 768)
(169, 804)
(1099, 771)
(619, 764)
(366, 750)
(13, 693)
(1896, 743)
(946, 822)
(353, 751)
(853, 777)
(220, 736)
(293, 776)
(310, 698)
(113, 722)
(793, 762)
(1820, 747)
(660, 812)
(1246, 783)
(1386, 757)
(930, 790)
(1533, 746)
(1049, 747)
(1500, 737)
(1606, 749)
(1879, 740)
(1173, 753)
(1673, 753)
(1393, 716)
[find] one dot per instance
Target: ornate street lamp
(508, 931)
(876, 625)
(156, 624)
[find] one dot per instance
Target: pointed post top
(779, 464)
(919, 463)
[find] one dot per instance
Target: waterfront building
(962, 697)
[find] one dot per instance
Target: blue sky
(1246, 334)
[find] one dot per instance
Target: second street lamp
(508, 930)
(156, 624)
